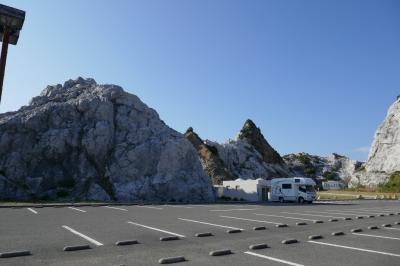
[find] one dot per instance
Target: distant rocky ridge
(85, 141)
(250, 156)
(333, 167)
(384, 155)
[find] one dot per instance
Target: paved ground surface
(46, 231)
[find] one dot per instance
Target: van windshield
(310, 188)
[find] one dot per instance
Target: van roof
(303, 180)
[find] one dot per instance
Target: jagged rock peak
(73, 89)
(252, 134)
(193, 137)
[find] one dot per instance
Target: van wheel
(301, 200)
(281, 200)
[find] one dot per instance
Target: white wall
(246, 189)
(332, 185)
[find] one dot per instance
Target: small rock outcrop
(333, 167)
(210, 160)
(384, 155)
(85, 141)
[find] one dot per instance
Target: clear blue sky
(316, 76)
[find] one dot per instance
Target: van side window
(286, 186)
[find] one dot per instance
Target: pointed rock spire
(252, 134)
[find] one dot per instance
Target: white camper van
(300, 189)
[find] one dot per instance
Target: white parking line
(178, 206)
(202, 205)
(32, 210)
(391, 228)
(273, 259)
(280, 216)
(76, 209)
(97, 243)
(251, 220)
(115, 208)
(339, 213)
(360, 212)
(150, 207)
(377, 236)
(156, 229)
(216, 225)
(354, 248)
(317, 215)
(376, 209)
(228, 210)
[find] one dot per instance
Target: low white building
(333, 185)
(250, 190)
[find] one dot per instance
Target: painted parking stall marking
(316, 215)
(76, 209)
(115, 208)
(273, 259)
(391, 228)
(339, 213)
(377, 236)
(228, 210)
(355, 248)
(360, 212)
(32, 210)
(149, 207)
(250, 220)
(91, 240)
(156, 229)
(206, 223)
(286, 217)
(178, 206)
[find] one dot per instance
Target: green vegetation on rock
(393, 185)
(329, 175)
(309, 171)
(304, 158)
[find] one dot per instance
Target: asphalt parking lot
(45, 232)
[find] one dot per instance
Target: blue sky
(315, 76)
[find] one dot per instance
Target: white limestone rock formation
(384, 155)
(84, 141)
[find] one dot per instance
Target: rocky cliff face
(248, 157)
(210, 160)
(384, 155)
(333, 167)
(95, 142)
